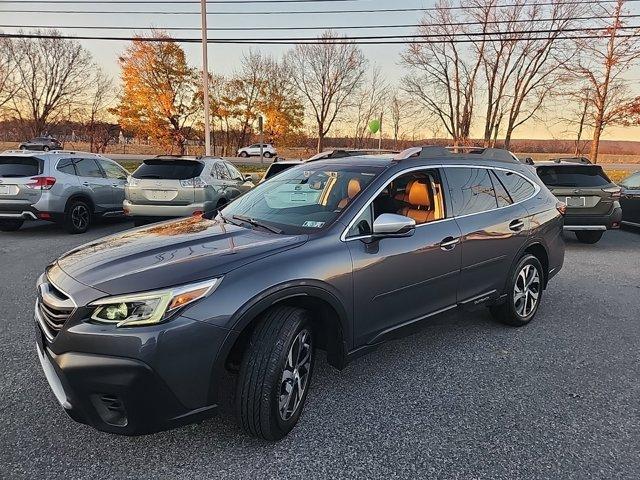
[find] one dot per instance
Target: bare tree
(326, 74)
(396, 106)
(102, 96)
(8, 84)
(443, 71)
(603, 64)
(369, 102)
(53, 74)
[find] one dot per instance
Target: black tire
(45, 149)
(23, 147)
(77, 217)
(511, 312)
(267, 155)
(10, 225)
(589, 236)
(261, 381)
(243, 154)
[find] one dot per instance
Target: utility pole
(261, 130)
(205, 80)
(380, 133)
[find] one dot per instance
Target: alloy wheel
(295, 376)
(80, 217)
(526, 290)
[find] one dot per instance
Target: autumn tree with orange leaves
(159, 91)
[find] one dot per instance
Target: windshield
(19, 166)
(573, 176)
(303, 199)
(169, 169)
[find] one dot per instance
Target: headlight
(149, 308)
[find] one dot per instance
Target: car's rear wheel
(244, 154)
(524, 293)
(10, 225)
(268, 155)
(589, 236)
(77, 217)
(23, 147)
(45, 148)
(275, 373)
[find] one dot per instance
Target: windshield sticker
(299, 196)
(312, 224)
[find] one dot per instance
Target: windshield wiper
(256, 223)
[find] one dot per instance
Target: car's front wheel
(10, 225)
(524, 292)
(589, 236)
(45, 148)
(275, 373)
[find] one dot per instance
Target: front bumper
(608, 221)
(130, 381)
(164, 211)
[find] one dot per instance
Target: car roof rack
(432, 151)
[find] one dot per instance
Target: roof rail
(431, 151)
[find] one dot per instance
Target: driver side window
(417, 195)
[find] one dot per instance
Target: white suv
(254, 150)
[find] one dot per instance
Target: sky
(224, 59)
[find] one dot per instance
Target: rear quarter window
(518, 187)
(168, 169)
(573, 176)
(20, 166)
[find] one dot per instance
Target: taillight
(616, 192)
(197, 213)
(42, 183)
(196, 182)
(561, 207)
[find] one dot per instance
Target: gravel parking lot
(465, 398)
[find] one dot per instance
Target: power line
(282, 12)
(315, 41)
(186, 2)
(324, 27)
(409, 37)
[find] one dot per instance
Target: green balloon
(374, 125)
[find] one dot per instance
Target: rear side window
(221, 172)
(633, 182)
(168, 169)
(471, 190)
(235, 173)
(502, 196)
(573, 176)
(87, 167)
(66, 166)
(518, 187)
(112, 170)
(19, 166)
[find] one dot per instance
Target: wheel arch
(328, 317)
(538, 250)
(80, 196)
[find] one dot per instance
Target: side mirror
(392, 225)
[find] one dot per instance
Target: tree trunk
(320, 145)
(581, 126)
(595, 143)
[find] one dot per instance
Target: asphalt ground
(464, 398)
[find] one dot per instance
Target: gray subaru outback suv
(61, 186)
(142, 331)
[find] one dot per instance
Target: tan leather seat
(404, 196)
(353, 188)
(419, 203)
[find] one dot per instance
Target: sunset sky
(223, 59)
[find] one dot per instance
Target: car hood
(170, 253)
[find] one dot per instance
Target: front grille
(53, 309)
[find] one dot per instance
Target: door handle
(449, 243)
(516, 225)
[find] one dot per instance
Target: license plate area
(6, 190)
(575, 201)
(160, 195)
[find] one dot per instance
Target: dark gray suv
(152, 328)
